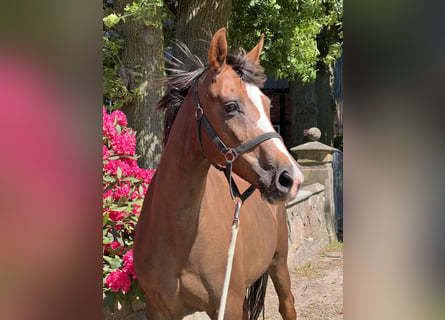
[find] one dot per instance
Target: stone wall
(307, 224)
(315, 160)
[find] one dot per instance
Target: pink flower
(116, 215)
(124, 164)
(136, 209)
(124, 144)
(118, 280)
(144, 174)
(121, 117)
(135, 195)
(108, 129)
(131, 163)
(105, 153)
(129, 167)
(114, 245)
(128, 258)
(128, 264)
(108, 193)
(123, 191)
(111, 167)
(119, 143)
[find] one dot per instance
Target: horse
(216, 117)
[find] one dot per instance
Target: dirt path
(317, 288)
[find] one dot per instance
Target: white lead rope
(230, 253)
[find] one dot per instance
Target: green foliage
(111, 20)
(113, 87)
(299, 34)
(145, 10)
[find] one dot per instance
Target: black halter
(230, 154)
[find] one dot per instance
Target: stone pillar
(315, 160)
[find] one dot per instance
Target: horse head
(230, 97)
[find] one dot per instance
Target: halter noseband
(230, 154)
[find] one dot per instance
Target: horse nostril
(285, 180)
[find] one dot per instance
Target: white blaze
(265, 125)
(263, 122)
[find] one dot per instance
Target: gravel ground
(317, 288)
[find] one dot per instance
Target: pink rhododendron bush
(124, 187)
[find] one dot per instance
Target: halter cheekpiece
(230, 154)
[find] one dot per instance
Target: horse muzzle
(280, 185)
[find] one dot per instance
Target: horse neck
(182, 172)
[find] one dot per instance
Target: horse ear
(218, 50)
(254, 54)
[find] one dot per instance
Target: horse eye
(231, 106)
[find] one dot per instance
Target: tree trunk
(144, 54)
(325, 104)
(313, 105)
(197, 21)
(303, 109)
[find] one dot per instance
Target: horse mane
(182, 76)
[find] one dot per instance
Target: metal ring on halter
(230, 155)
(198, 113)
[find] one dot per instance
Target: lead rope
(230, 254)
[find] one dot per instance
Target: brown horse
(183, 233)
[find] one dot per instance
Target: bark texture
(325, 104)
(144, 54)
(313, 105)
(303, 109)
(198, 20)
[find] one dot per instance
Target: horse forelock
(182, 76)
(247, 70)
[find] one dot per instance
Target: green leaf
(111, 20)
(128, 244)
(109, 179)
(106, 237)
(119, 172)
(105, 219)
(115, 263)
(131, 179)
(139, 292)
(108, 201)
(119, 209)
(122, 298)
(109, 300)
(122, 201)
